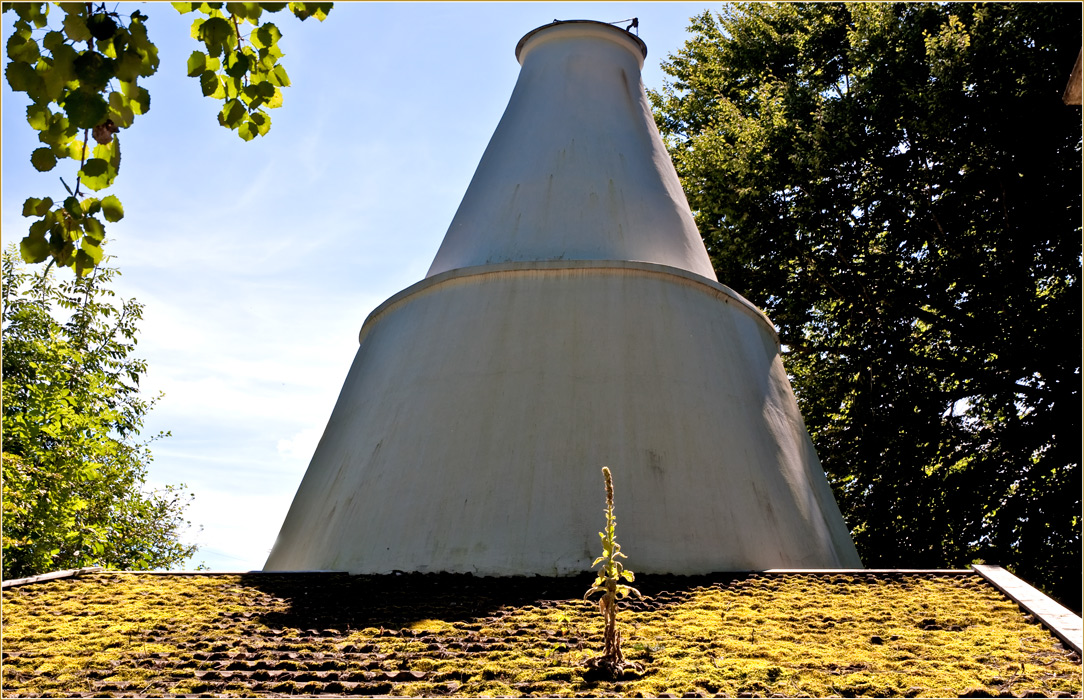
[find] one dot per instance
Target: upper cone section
(576, 169)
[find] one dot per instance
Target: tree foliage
(73, 465)
(898, 187)
(82, 76)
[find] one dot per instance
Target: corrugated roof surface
(768, 634)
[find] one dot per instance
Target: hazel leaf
(93, 70)
(22, 77)
(197, 64)
(217, 35)
(38, 116)
(75, 26)
(23, 50)
(37, 207)
(101, 26)
(53, 40)
(85, 110)
(43, 159)
(34, 248)
(113, 212)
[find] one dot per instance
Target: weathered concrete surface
(1063, 622)
(576, 169)
(482, 404)
(570, 320)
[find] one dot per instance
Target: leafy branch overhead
(242, 69)
(81, 71)
(83, 82)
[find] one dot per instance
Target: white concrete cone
(570, 320)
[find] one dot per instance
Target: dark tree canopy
(899, 187)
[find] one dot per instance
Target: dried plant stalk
(608, 583)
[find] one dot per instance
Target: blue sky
(258, 262)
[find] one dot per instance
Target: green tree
(82, 77)
(73, 465)
(898, 187)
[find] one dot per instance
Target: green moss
(790, 635)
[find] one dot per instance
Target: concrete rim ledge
(588, 22)
(829, 572)
(1060, 620)
(604, 267)
(72, 573)
(64, 573)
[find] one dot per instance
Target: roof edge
(940, 572)
(64, 573)
(72, 573)
(1060, 620)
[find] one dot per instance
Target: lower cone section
(482, 403)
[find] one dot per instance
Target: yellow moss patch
(272, 635)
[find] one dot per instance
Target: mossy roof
(909, 634)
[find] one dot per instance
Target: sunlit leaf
(280, 77)
(267, 35)
(197, 64)
(75, 26)
(22, 49)
(92, 249)
(196, 25)
(237, 64)
(37, 207)
(262, 122)
(84, 109)
(97, 174)
(218, 35)
(232, 114)
(247, 130)
(34, 248)
(139, 98)
(113, 212)
(38, 116)
(109, 152)
(43, 159)
(90, 205)
(139, 42)
(93, 70)
(73, 207)
(94, 167)
(35, 12)
(120, 110)
(128, 66)
(22, 77)
(304, 10)
(62, 72)
(231, 86)
(84, 262)
(95, 229)
(209, 85)
(52, 41)
(101, 26)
